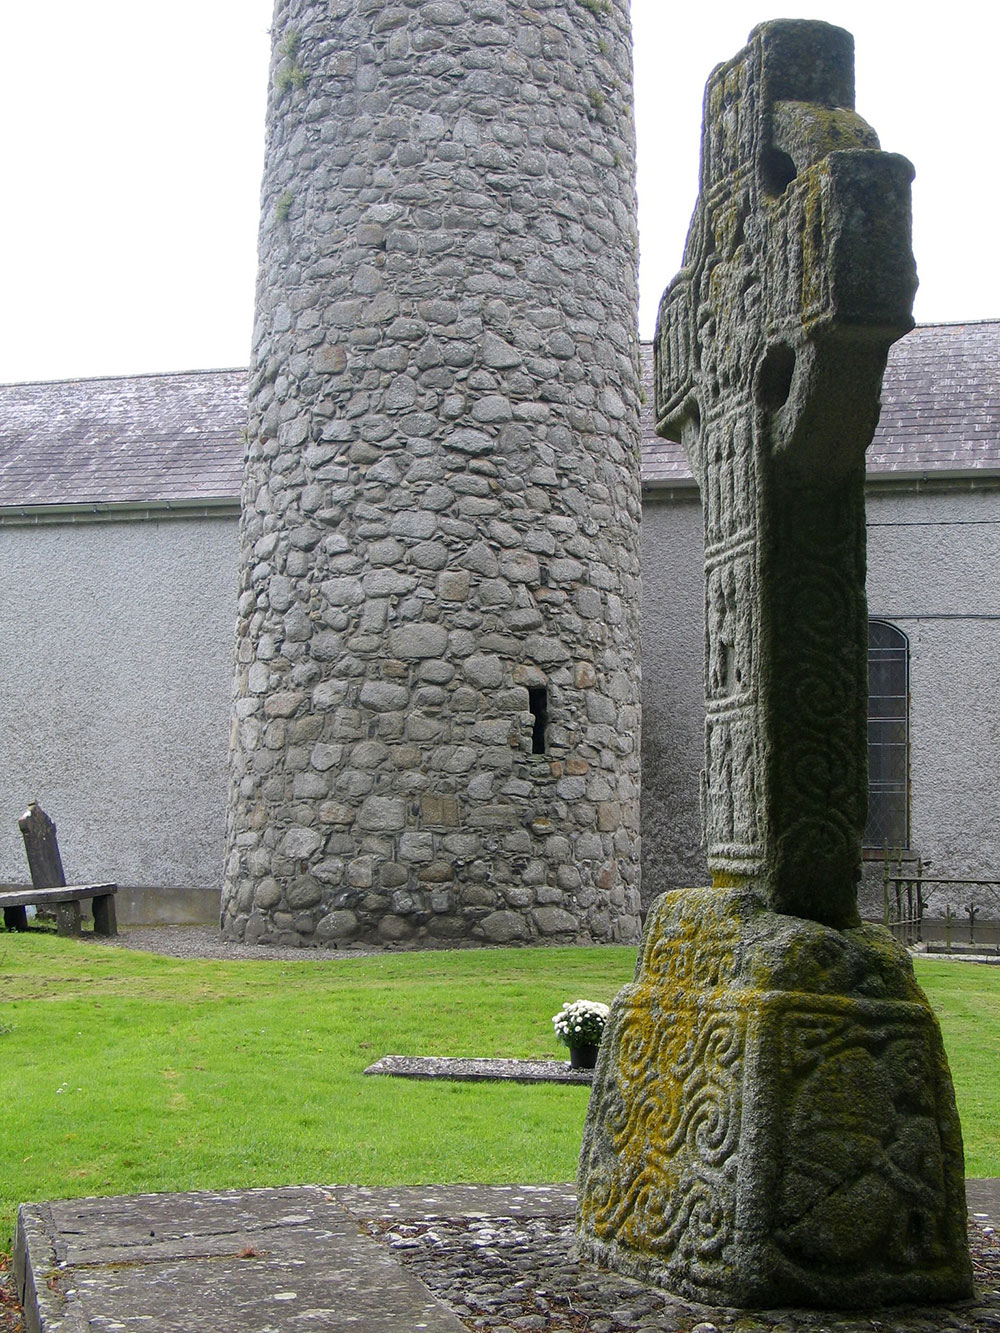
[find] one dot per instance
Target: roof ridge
(142, 375)
(231, 370)
(917, 328)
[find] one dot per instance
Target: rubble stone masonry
(435, 736)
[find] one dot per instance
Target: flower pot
(583, 1057)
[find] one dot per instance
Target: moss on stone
(767, 1088)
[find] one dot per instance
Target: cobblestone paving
(516, 1275)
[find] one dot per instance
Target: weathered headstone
(44, 866)
(41, 848)
(772, 1118)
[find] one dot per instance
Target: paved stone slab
(267, 1260)
(480, 1071)
(983, 1199)
(428, 1202)
(173, 1262)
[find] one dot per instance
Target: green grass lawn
(966, 999)
(124, 1072)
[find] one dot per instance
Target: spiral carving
(673, 1132)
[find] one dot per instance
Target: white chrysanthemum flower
(581, 1022)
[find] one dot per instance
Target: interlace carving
(770, 350)
(772, 1120)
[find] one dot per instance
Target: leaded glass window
(888, 737)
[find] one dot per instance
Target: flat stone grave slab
(428, 1203)
(480, 1071)
(279, 1260)
(269, 1260)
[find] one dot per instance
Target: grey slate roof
(941, 401)
(940, 408)
(131, 440)
(176, 438)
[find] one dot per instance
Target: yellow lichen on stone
(808, 132)
(768, 1088)
(772, 1120)
(723, 879)
(814, 246)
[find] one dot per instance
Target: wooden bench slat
(49, 883)
(42, 897)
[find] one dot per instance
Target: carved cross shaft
(770, 349)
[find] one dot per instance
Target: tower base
(773, 1120)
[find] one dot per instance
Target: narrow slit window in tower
(538, 702)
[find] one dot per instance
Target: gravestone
(773, 1119)
(44, 864)
(41, 848)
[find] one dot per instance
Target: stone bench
(66, 900)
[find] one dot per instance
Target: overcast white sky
(133, 140)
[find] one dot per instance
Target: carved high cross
(770, 349)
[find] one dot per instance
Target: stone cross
(772, 1120)
(770, 350)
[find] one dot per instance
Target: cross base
(772, 1120)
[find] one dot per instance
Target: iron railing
(904, 900)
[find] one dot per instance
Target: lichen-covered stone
(442, 455)
(800, 249)
(772, 1121)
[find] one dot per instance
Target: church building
(119, 516)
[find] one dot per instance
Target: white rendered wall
(673, 711)
(933, 561)
(115, 684)
(115, 681)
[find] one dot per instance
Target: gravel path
(206, 942)
(11, 1314)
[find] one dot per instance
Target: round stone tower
(436, 728)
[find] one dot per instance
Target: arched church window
(888, 737)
